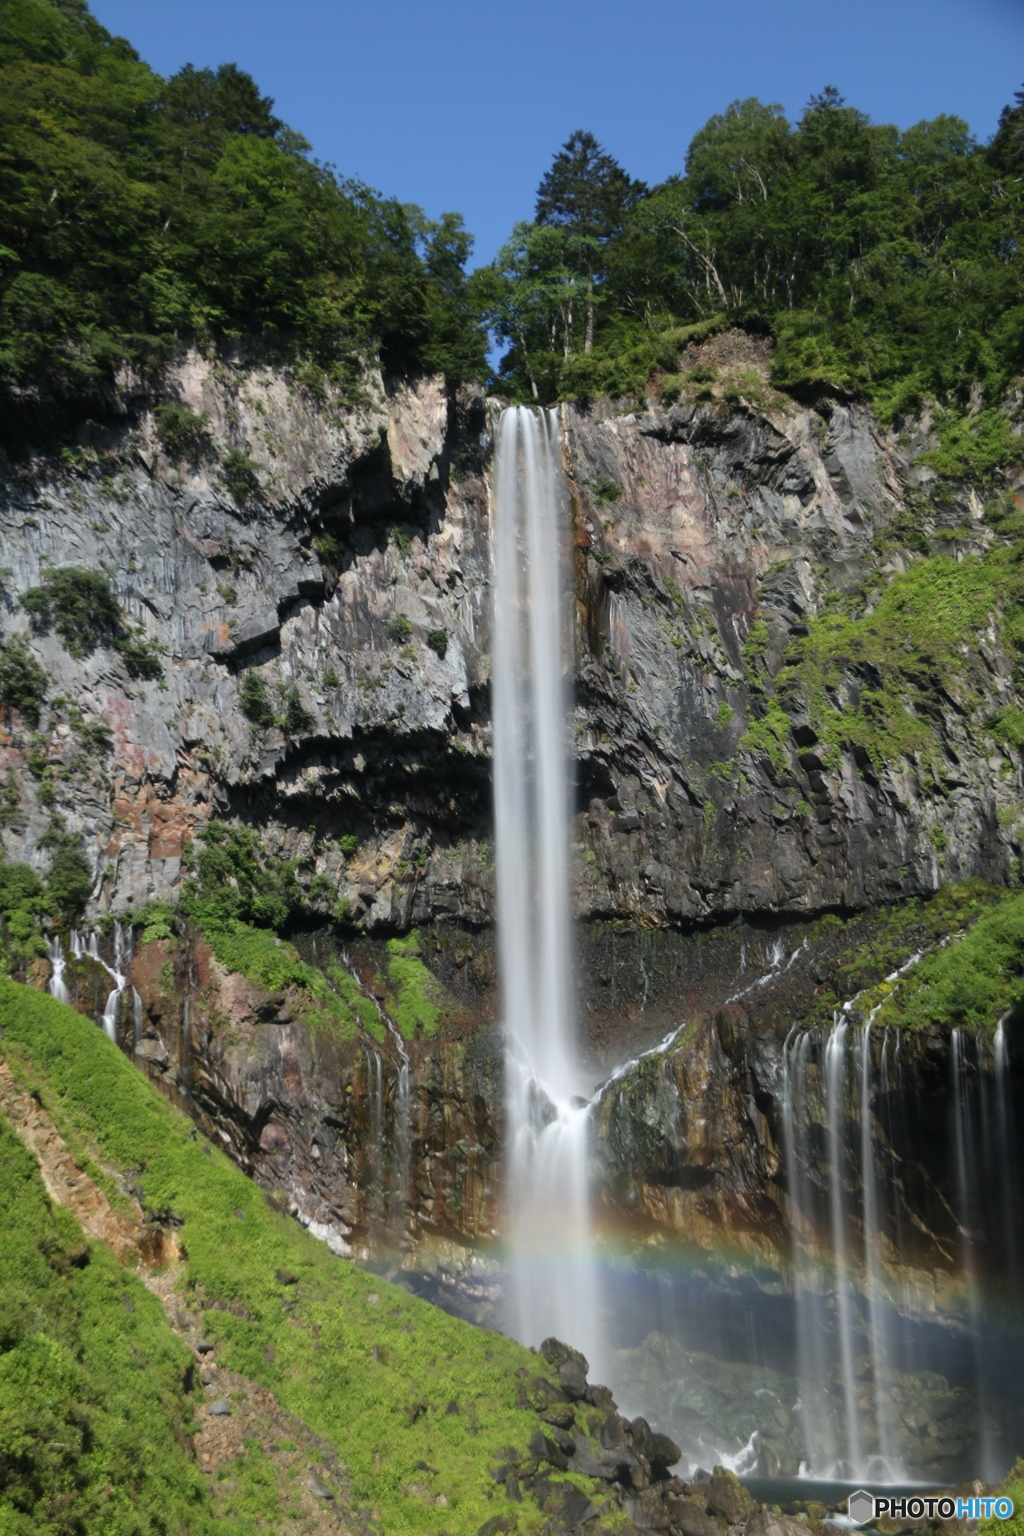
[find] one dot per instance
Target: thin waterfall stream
(552, 1263)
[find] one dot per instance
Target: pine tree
(588, 194)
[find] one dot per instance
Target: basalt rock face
(349, 576)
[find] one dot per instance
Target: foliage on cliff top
(138, 212)
(94, 1406)
(883, 262)
(368, 1367)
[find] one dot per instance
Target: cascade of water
(887, 1463)
(58, 988)
(821, 1439)
(137, 1016)
(968, 1208)
(1007, 1152)
(835, 1084)
(552, 1260)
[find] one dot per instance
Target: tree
(1007, 148)
(587, 194)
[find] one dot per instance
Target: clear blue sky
(460, 104)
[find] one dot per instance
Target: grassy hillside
(94, 1411)
(391, 1382)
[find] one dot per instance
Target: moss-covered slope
(390, 1381)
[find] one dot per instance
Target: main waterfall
(551, 1252)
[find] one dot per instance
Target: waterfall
(553, 1272)
(887, 1464)
(58, 989)
(969, 1212)
(89, 949)
(137, 1021)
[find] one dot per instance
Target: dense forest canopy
(137, 211)
(138, 214)
(881, 262)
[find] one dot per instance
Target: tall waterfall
(552, 1265)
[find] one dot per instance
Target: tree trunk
(589, 342)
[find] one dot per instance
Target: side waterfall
(851, 1163)
(553, 1271)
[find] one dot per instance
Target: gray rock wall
(691, 525)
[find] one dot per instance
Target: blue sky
(460, 104)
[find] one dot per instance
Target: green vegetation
(240, 475)
(254, 699)
(80, 605)
(418, 996)
(137, 213)
(869, 668)
(22, 906)
(881, 262)
(70, 879)
(94, 1399)
(399, 629)
(293, 718)
(22, 680)
(971, 974)
(437, 639)
(183, 434)
(971, 982)
(241, 899)
(369, 1368)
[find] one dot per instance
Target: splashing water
(553, 1269)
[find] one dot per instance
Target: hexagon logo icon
(861, 1506)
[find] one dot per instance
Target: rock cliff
(316, 582)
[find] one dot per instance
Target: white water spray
(552, 1260)
(58, 986)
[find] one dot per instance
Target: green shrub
(22, 680)
(69, 880)
(22, 905)
(973, 447)
(240, 475)
(296, 719)
(399, 629)
(437, 639)
(607, 491)
(183, 434)
(254, 700)
(348, 844)
(140, 654)
(79, 604)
